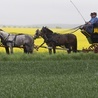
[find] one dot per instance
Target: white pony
(17, 40)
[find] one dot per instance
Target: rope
(74, 31)
(40, 46)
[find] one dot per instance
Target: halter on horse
(16, 40)
(54, 39)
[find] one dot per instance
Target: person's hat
(94, 13)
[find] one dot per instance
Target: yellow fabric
(95, 30)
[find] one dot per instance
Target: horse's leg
(68, 47)
(50, 51)
(24, 47)
(11, 49)
(7, 50)
(74, 47)
(27, 48)
(49, 48)
(54, 49)
(69, 50)
(31, 47)
(30, 50)
(10, 45)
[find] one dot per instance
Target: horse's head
(37, 34)
(41, 33)
(44, 33)
(3, 35)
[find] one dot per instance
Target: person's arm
(93, 21)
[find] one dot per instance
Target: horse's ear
(37, 30)
(43, 27)
(1, 30)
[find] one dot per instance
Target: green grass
(41, 75)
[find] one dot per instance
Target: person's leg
(89, 29)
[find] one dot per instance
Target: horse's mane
(56, 33)
(48, 30)
(51, 32)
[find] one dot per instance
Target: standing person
(89, 26)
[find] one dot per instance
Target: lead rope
(74, 31)
(40, 46)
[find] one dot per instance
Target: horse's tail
(30, 44)
(75, 45)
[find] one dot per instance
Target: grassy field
(43, 76)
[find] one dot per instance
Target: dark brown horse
(55, 39)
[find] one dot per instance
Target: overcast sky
(28, 12)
